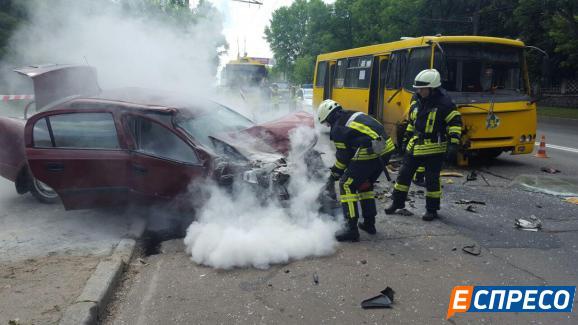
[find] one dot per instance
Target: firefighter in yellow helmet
(432, 135)
(363, 149)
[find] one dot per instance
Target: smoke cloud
(235, 229)
(127, 43)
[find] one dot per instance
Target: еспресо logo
(536, 299)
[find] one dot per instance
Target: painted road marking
(553, 146)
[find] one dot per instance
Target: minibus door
(329, 76)
(377, 87)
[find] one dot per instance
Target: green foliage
(306, 28)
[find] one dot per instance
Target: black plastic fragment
(384, 300)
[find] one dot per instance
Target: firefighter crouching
(432, 135)
(363, 150)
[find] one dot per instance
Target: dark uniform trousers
(432, 171)
(356, 185)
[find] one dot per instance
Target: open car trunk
(55, 83)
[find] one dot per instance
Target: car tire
(42, 192)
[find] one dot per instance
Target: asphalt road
(421, 261)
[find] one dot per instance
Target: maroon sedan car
(95, 148)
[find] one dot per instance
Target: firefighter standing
(432, 135)
(363, 149)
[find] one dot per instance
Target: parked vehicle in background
(93, 148)
(487, 78)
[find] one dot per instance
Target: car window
(154, 139)
(76, 130)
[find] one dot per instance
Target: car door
(79, 155)
(162, 164)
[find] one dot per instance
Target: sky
(245, 23)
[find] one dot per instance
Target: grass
(561, 112)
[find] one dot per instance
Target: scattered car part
(529, 224)
(451, 174)
(550, 170)
(463, 201)
(472, 249)
(384, 300)
(471, 208)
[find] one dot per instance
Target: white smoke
(127, 45)
(236, 230)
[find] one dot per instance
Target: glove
(335, 174)
(452, 152)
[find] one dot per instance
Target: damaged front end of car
(265, 173)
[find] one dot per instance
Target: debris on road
(384, 300)
(449, 181)
(472, 249)
(548, 184)
(382, 195)
(287, 271)
(573, 200)
(315, 278)
(529, 224)
(471, 208)
(451, 174)
(550, 170)
(404, 212)
(472, 176)
(462, 201)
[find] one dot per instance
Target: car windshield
(214, 121)
(478, 68)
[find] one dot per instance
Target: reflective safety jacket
(433, 121)
(357, 136)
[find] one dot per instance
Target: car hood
(276, 132)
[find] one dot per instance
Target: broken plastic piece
(449, 181)
(315, 278)
(529, 224)
(451, 174)
(573, 200)
(472, 249)
(471, 208)
(384, 300)
(550, 170)
(462, 201)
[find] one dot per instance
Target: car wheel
(43, 192)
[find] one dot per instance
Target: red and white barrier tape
(6, 98)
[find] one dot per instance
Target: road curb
(88, 307)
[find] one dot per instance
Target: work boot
(393, 207)
(350, 233)
(429, 215)
(367, 227)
